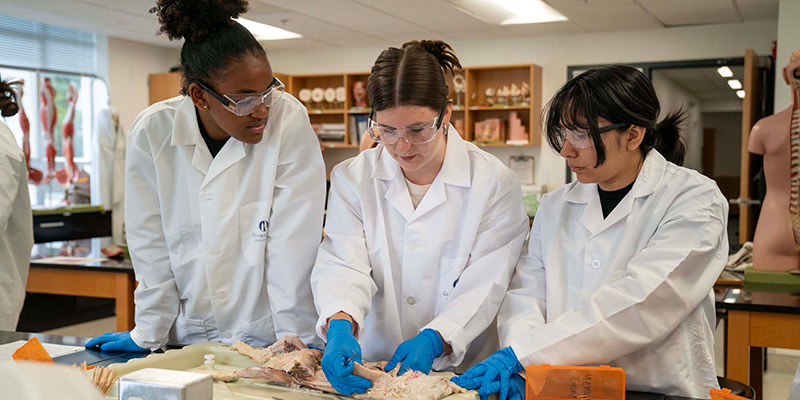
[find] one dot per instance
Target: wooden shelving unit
(327, 115)
(474, 106)
(478, 79)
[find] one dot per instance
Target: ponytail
(666, 138)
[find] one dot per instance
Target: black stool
(737, 388)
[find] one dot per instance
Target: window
(33, 51)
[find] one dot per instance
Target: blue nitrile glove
(492, 375)
(516, 388)
(341, 352)
(417, 353)
(115, 341)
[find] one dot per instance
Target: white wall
(554, 53)
(672, 98)
(788, 41)
(129, 64)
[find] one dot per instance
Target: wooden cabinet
(164, 86)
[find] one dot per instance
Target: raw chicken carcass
(273, 376)
(289, 363)
(287, 344)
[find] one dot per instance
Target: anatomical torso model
(47, 112)
(34, 175)
(68, 132)
(776, 246)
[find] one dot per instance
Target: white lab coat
(16, 229)
(631, 291)
(444, 265)
(108, 170)
(223, 248)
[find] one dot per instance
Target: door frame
(648, 67)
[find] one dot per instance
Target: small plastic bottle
(210, 363)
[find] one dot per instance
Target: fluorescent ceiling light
(735, 84)
(725, 72)
(529, 12)
(266, 32)
(740, 93)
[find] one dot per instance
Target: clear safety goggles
(416, 133)
(246, 104)
(583, 140)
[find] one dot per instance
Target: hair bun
(439, 49)
(193, 19)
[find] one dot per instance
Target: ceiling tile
(691, 12)
(758, 9)
(350, 15)
(547, 28)
(615, 17)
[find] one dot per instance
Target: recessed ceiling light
(740, 93)
(529, 12)
(725, 72)
(735, 84)
(267, 32)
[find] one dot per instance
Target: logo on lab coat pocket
(261, 234)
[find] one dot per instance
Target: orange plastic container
(724, 394)
(547, 382)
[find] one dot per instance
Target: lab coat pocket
(450, 270)
(189, 331)
(259, 333)
(253, 231)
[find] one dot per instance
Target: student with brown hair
(423, 232)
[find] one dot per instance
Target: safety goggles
(246, 104)
(583, 140)
(416, 133)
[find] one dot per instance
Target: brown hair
(9, 98)
(412, 75)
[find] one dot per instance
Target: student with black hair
(16, 222)
(422, 232)
(620, 264)
(224, 195)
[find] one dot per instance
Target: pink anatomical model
(68, 132)
(777, 137)
(34, 175)
(47, 112)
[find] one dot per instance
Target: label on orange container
(547, 382)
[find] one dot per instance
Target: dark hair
(618, 94)
(9, 104)
(412, 75)
(213, 39)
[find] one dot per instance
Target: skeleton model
(34, 175)
(47, 112)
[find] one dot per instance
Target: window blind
(30, 44)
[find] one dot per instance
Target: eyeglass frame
(605, 129)
(437, 122)
(230, 104)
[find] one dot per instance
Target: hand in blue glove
(341, 352)
(115, 341)
(417, 353)
(492, 375)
